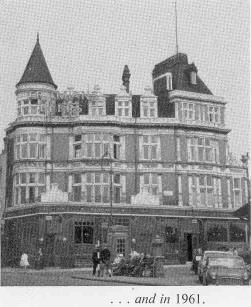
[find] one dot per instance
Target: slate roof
(36, 70)
(179, 67)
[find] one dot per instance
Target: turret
(36, 89)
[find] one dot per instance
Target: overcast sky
(88, 42)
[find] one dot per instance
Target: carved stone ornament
(54, 195)
(145, 198)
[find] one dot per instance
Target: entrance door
(49, 252)
(189, 247)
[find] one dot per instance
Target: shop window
(217, 234)
(83, 233)
(237, 234)
(171, 234)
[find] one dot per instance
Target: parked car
(225, 271)
(206, 255)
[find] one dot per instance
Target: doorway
(189, 246)
(49, 250)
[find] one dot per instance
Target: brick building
(84, 167)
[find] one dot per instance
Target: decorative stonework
(145, 198)
(54, 195)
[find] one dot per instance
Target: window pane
(33, 147)
(200, 151)
(23, 195)
(119, 112)
(32, 177)
(154, 152)
(117, 178)
(89, 149)
(145, 139)
(117, 195)
(97, 150)
(105, 178)
(154, 179)
(77, 151)
(41, 150)
(17, 178)
(97, 194)
(77, 178)
(145, 148)
(24, 150)
(89, 177)
(78, 234)
(146, 178)
(23, 177)
(41, 190)
(145, 111)
(154, 190)
(106, 193)
(236, 183)
(18, 151)
(31, 194)
(33, 137)
(126, 112)
(89, 193)
(97, 178)
(77, 138)
(87, 234)
(76, 193)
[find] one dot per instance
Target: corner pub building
(88, 167)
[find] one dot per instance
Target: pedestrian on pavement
(24, 263)
(96, 261)
(39, 259)
(105, 257)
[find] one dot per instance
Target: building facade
(84, 168)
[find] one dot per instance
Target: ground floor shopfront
(68, 233)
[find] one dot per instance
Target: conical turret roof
(36, 70)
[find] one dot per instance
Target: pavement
(175, 275)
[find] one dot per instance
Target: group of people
(24, 261)
(101, 259)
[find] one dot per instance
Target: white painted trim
(123, 214)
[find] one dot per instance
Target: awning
(242, 212)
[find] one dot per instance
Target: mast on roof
(176, 27)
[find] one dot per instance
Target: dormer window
(123, 108)
(193, 77)
(97, 108)
(149, 109)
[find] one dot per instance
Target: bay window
(150, 183)
(96, 145)
(203, 150)
(206, 191)
(150, 147)
(28, 187)
(97, 187)
(30, 146)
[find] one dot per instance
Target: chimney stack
(126, 78)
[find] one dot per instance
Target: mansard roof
(36, 70)
(179, 67)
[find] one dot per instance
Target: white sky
(90, 41)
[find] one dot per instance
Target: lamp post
(244, 160)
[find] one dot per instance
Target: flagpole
(176, 27)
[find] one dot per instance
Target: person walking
(96, 260)
(105, 257)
